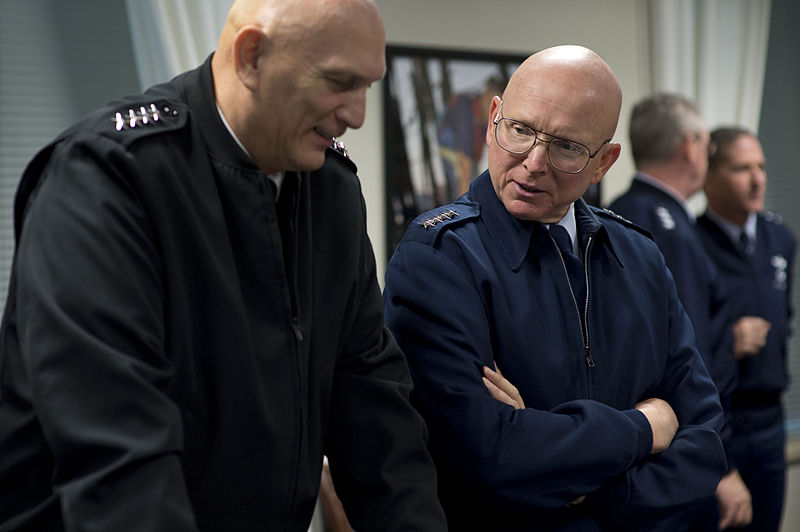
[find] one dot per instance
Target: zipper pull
(298, 333)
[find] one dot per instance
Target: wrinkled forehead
(562, 105)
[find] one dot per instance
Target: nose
(354, 110)
(759, 177)
(536, 158)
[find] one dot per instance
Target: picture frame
(436, 107)
(432, 101)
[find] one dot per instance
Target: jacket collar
(514, 236)
(645, 183)
(198, 88)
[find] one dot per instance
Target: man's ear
(608, 157)
(687, 149)
(249, 46)
(494, 109)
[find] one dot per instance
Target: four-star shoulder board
(449, 214)
(142, 116)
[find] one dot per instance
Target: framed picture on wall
(436, 111)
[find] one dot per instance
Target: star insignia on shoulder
(664, 216)
(615, 215)
(144, 116)
(339, 146)
(441, 217)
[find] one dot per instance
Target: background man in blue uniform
(669, 141)
(179, 350)
(754, 252)
(604, 361)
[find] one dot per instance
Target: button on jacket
(477, 287)
(163, 371)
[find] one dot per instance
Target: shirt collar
(568, 223)
(514, 236)
(733, 230)
(276, 178)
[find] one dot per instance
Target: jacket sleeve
(89, 300)
(376, 444)
(690, 469)
(525, 458)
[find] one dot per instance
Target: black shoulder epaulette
(130, 121)
(429, 226)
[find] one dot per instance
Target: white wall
(611, 28)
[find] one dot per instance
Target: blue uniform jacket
(470, 285)
(761, 287)
(700, 288)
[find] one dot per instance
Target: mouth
(527, 189)
(326, 135)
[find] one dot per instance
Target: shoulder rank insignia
(339, 146)
(144, 116)
(667, 222)
(773, 217)
(441, 217)
(617, 216)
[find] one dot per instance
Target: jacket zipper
(294, 302)
(587, 350)
(583, 320)
(293, 251)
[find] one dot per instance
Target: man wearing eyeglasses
(611, 421)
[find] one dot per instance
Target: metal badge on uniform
(779, 282)
(667, 222)
(145, 115)
(441, 217)
(617, 216)
(339, 146)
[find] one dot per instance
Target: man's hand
(501, 389)
(505, 392)
(663, 422)
(749, 335)
(735, 505)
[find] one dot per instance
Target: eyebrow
(559, 137)
(349, 77)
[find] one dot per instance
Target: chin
(310, 162)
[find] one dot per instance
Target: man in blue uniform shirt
(754, 252)
(669, 142)
(613, 424)
(179, 350)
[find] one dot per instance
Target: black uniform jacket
(160, 369)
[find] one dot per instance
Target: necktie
(573, 264)
(745, 244)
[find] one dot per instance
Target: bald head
(292, 21)
(573, 74)
(289, 75)
(567, 93)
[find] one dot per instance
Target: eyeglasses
(564, 155)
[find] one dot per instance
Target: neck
(736, 217)
(677, 179)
